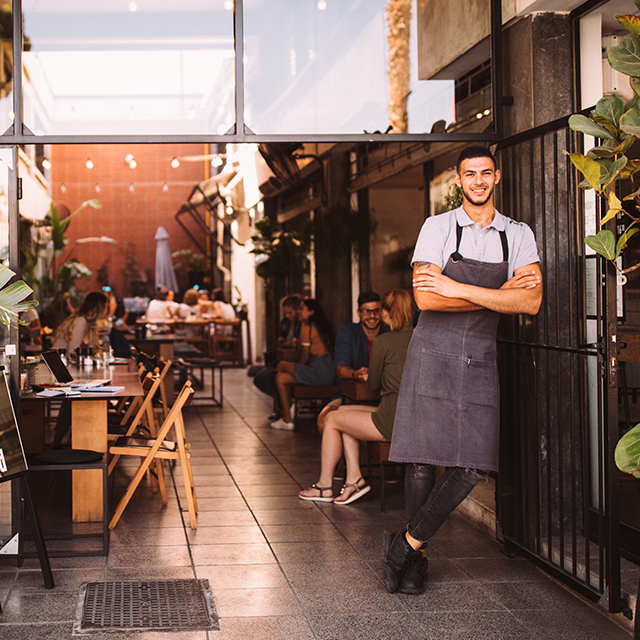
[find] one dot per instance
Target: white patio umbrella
(165, 273)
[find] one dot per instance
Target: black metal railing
(555, 493)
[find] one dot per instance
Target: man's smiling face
(477, 179)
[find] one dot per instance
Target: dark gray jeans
(429, 503)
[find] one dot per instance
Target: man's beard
(467, 195)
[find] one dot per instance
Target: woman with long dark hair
(315, 367)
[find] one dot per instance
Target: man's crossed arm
(435, 292)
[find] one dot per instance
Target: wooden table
(357, 392)
(89, 414)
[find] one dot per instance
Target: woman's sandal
(321, 497)
(352, 491)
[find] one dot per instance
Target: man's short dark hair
(475, 151)
(367, 296)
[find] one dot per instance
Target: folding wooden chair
(144, 416)
(158, 449)
(165, 369)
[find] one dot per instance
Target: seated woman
(315, 367)
(352, 422)
(162, 308)
(287, 338)
(190, 308)
(79, 330)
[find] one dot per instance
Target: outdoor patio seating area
(279, 567)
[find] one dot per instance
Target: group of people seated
(196, 303)
(372, 350)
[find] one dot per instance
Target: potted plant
(195, 263)
(57, 285)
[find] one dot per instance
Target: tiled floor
(281, 568)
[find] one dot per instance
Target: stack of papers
(105, 389)
(57, 392)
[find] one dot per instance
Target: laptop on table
(63, 375)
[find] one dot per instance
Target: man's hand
(523, 280)
(433, 282)
(361, 374)
(428, 299)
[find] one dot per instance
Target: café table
(357, 392)
(89, 425)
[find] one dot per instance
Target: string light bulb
(89, 163)
(175, 163)
(131, 187)
(165, 187)
(98, 187)
(322, 5)
(46, 164)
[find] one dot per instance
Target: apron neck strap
(503, 240)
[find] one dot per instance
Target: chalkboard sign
(12, 460)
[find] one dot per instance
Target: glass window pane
(343, 66)
(6, 66)
(128, 66)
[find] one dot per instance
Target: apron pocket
(439, 375)
(480, 383)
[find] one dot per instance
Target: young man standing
(469, 266)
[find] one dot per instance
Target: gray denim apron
(448, 406)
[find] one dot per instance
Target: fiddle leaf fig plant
(617, 126)
(628, 452)
(12, 298)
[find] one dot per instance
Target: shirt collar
(465, 221)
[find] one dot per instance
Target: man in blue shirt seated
(353, 347)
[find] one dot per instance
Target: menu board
(12, 460)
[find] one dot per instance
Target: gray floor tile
(226, 535)
(164, 536)
(278, 502)
(271, 490)
(301, 532)
(476, 625)
(311, 574)
(150, 573)
(447, 597)
(530, 595)
(138, 556)
(65, 580)
(46, 606)
(232, 554)
(264, 628)
(388, 626)
(243, 576)
(290, 516)
(256, 602)
(225, 519)
(43, 631)
(345, 599)
(500, 569)
(221, 504)
(319, 551)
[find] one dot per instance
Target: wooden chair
(226, 341)
(157, 449)
(144, 416)
(316, 398)
(379, 452)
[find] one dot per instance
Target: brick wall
(131, 217)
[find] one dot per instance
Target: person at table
(315, 367)
(162, 307)
(221, 309)
(31, 332)
(80, 330)
(287, 338)
(353, 348)
(205, 303)
(351, 423)
(190, 307)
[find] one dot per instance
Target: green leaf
(615, 206)
(600, 152)
(578, 122)
(627, 143)
(627, 452)
(604, 243)
(609, 170)
(632, 167)
(589, 168)
(624, 239)
(57, 230)
(631, 23)
(625, 58)
(630, 121)
(12, 296)
(610, 108)
(607, 124)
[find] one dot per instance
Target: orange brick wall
(126, 216)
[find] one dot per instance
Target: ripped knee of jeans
(422, 471)
(478, 474)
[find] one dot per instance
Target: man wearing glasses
(353, 347)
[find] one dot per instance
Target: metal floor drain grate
(133, 605)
